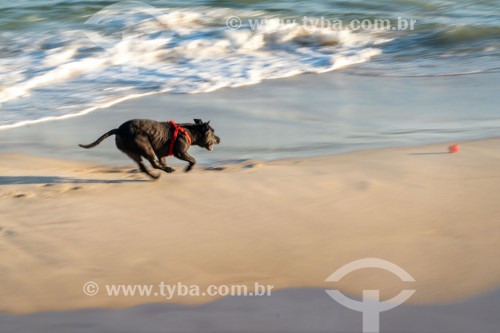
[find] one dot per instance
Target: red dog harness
(175, 134)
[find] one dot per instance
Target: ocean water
(66, 58)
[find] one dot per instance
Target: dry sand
(287, 223)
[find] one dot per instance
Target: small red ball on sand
(454, 149)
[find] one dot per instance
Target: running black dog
(156, 140)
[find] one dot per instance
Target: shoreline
(298, 117)
(418, 207)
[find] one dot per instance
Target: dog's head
(208, 139)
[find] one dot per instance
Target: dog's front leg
(163, 162)
(183, 155)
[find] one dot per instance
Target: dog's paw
(170, 169)
(188, 168)
(154, 176)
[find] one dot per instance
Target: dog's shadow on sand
(53, 180)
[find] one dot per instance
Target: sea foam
(64, 73)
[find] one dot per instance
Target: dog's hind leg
(149, 153)
(142, 167)
(134, 155)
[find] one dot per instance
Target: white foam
(179, 51)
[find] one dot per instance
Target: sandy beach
(288, 223)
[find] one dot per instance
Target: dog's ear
(198, 121)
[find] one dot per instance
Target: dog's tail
(98, 141)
